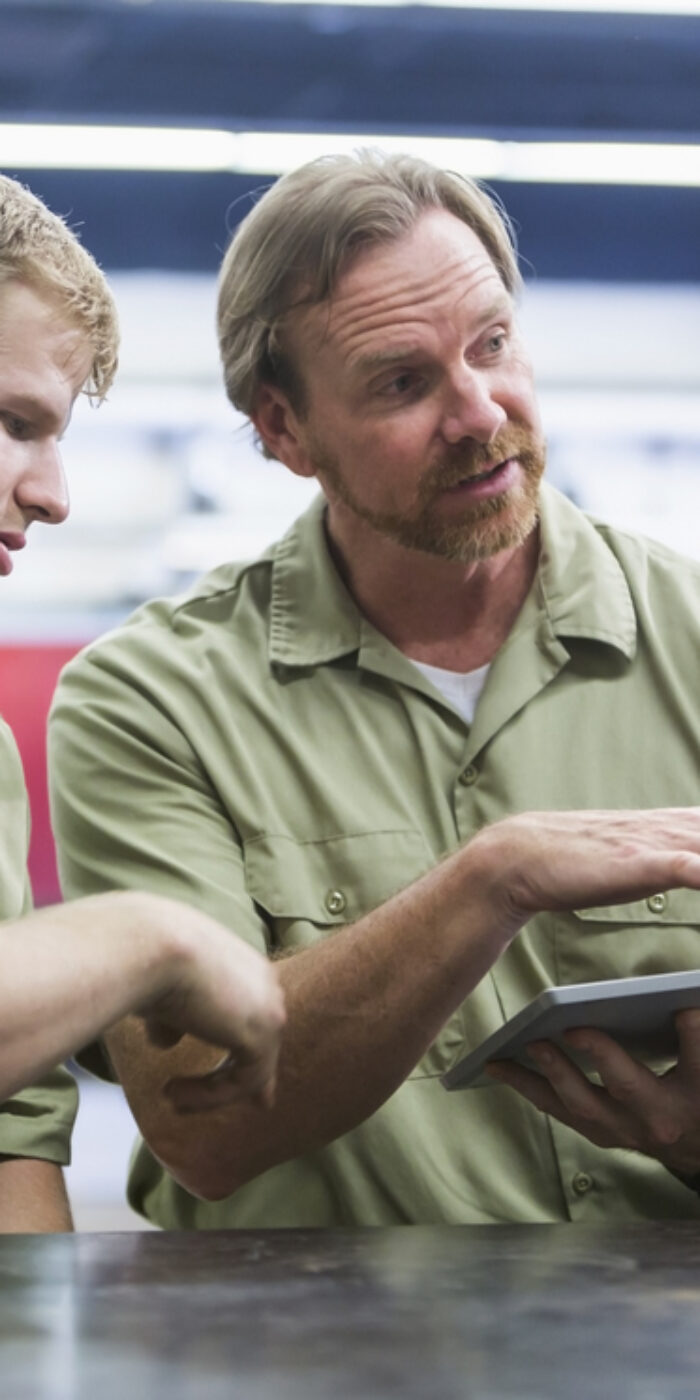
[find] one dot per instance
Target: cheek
(9, 455)
(518, 399)
(521, 386)
(408, 431)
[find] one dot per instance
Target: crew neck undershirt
(461, 688)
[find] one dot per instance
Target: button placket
(469, 776)
(582, 1183)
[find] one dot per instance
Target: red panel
(28, 676)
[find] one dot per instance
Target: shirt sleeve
(132, 804)
(38, 1121)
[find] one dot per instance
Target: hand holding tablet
(638, 1012)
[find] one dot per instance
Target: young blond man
(69, 972)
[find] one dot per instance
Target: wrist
(161, 941)
(487, 870)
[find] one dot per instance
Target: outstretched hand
(632, 1107)
(575, 860)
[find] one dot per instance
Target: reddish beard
(468, 459)
(483, 527)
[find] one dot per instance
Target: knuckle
(665, 1131)
(586, 1113)
(622, 1089)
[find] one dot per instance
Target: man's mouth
(482, 476)
(9, 540)
(495, 475)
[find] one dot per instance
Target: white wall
(166, 482)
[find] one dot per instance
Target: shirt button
(335, 901)
(469, 775)
(657, 903)
(582, 1183)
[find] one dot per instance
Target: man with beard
(336, 748)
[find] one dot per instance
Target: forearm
(69, 971)
(33, 1197)
(362, 1007)
(367, 1002)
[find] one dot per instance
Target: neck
(439, 611)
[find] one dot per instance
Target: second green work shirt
(258, 749)
(37, 1121)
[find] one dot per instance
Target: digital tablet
(638, 1012)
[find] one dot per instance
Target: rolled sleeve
(38, 1121)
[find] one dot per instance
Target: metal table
(566, 1312)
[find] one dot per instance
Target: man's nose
(42, 492)
(470, 411)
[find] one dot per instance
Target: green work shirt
(258, 749)
(38, 1121)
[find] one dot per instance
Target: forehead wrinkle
(399, 290)
(354, 316)
(407, 350)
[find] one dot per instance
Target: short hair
(292, 247)
(38, 249)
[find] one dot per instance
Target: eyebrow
(405, 354)
(380, 359)
(24, 403)
(28, 405)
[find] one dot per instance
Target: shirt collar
(313, 618)
(580, 583)
(580, 589)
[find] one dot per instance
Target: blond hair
(38, 249)
(290, 250)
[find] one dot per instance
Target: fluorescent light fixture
(566, 162)
(597, 7)
(23, 146)
(58, 147)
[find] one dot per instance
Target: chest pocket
(649, 936)
(306, 890)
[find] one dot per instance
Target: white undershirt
(461, 688)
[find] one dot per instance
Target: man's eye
(16, 427)
(495, 343)
(401, 385)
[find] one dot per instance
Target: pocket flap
(333, 881)
(666, 907)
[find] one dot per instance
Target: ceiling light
(598, 7)
(23, 146)
(57, 147)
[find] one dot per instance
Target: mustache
(469, 458)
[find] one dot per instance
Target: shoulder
(664, 587)
(11, 771)
(220, 626)
(649, 563)
(571, 530)
(166, 634)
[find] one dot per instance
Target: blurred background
(151, 125)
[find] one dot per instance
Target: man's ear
(281, 430)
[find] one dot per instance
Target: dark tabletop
(565, 1312)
